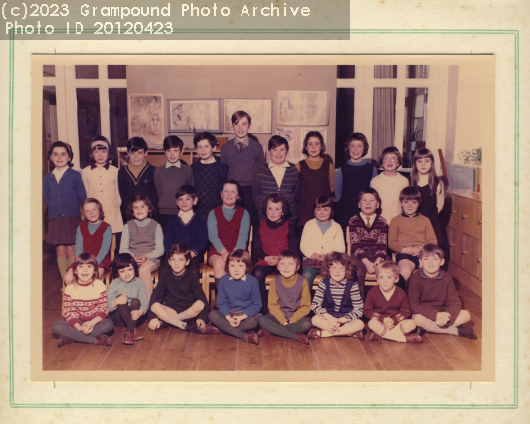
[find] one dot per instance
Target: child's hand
(442, 318)
(140, 260)
(286, 322)
(224, 254)
(136, 314)
(154, 324)
(240, 318)
(417, 250)
(87, 327)
(192, 253)
(317, 257)
(370, 268)
(388, 322)
(233, 322)
(378, 261)
(342, 320)
(271, 260)
(200, 323)
(78, 327)
(121, 300)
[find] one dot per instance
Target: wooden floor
(172, 349)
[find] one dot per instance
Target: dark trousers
(289, 331)
(62, 328)
(261, 272)
(217, 319)
(121, 317)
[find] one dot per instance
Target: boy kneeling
(435, 304)
(388, 308)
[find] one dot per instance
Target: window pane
(48, 71)
(385, 71)
(383, 120)
(344, 122)
(118, 119)
(88, 121)
(346, 71)
(86, 71)
(49, 123)
(417, 71)
(415, 127)
(117, 71)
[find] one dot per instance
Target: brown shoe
(314, 333)
(374, 337)
(63, 341)
(209, 329)
(302, 338)
(413, 338)
(103, 341)
(263, 333)
(127, 338)
(359, 335)
(251, 337)
(136, 335)
(467, 332)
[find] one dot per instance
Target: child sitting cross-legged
(289, 302)
(178, 299)
(337, 304)
(388, 308)
(435, 304)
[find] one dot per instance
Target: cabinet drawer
(472, 256)
(456, 220)
(469, 213)
(455, 245)
(480, 221)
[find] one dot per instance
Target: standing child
(127, 298)
(390, 182)
(289, 302)
(209, 174)
(273, 235)
(239, 300)
(228, 228)
(93, 236)
(187, 227)
(143, 239)
(388, 308)
(352, 177)
(178, 298)
(63, 192)
(170, 176)
(337, 304)
(435, 304)
(321, 236)
(368, 236)
(85, 307)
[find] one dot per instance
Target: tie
(241, 145)
(368, 222)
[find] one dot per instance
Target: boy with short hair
(409, 232)
(168, 177)
(435, 304)
(388, 308)
(289, 302)
(209, 174)
(137, 177)
(178, 298)
(188, 227)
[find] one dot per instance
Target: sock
(395, 334)
(62, 264)
(173, 320)
(433, 328)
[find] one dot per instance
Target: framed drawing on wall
(146, 118)
(190, 116)
(260, 110)
(302, 107)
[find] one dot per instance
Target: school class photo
(263, 217)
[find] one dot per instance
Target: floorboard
(326, 354)
(173, 350)
(223, 353)
(274, 353)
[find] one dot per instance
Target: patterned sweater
(377, 306)
(337, 292)
(375, 237)
(209, 179)
(85, 302)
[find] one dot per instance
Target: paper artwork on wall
(302, 107)
(260, 111)
(146, 118)
(295, 136)
(190, 116)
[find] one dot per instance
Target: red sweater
(85, 302)
(397, 307)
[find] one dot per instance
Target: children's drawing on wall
(295, 138)
(146, 118)
(259, 109)
(303, 107)
(189, 116)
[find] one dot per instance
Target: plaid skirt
(61, 230)
(311, 263)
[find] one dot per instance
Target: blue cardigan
(64, 196)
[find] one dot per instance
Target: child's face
(60, 157)
(178, 263)
(138, 157)
(173, 154)
(204, 149)
(85, 273)
(229, 195)
(278, 154)
(237, 269)
(314, 147)
(323, 214)
(287, 267)
(100, 153)
(390, 162)
(140, 210)
(274, 211)
(356, 150)
(186, 203)
(337, 272)
(241, 128)
(431, 264)
(368, 204)
(91, 211)
(410, 206)
(386, 280)
(423, 165)
(127, 273)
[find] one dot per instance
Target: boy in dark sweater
(435, 304)
(178, 299)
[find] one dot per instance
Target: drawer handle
(452, 244)
(479, 260)
(453, 211)
(464, 252)
(479, 222)
(463, 216)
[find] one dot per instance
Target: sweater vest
(354, 179)
(346, 305)
(313, 184)
(141, 239)
(274, 241)
(92, 242)
(289, 298)
(227, 231)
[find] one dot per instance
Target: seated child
(337, 304)
(273, 235)
(238, 300)
(127, 297)
(408, 233)
(368, 236)
(388, 308)
(322, 235)
(178, 298)
(85, 306)
(188, 227)
(143, 239)
(435, 304)
(289, 302)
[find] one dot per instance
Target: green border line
(515, 403)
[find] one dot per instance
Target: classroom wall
(259, 82)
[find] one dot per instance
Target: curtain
(383, 120)
(385, 71)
